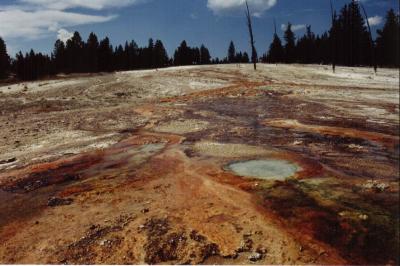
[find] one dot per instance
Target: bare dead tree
(371, 39)
(253, 48)
(276, 63)
(333, 39)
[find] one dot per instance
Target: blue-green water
(264, 169)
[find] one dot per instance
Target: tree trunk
(333, 38)
(372, 41)
(253, 48)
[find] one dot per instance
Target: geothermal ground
(211, 165)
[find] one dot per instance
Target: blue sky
(36, 24)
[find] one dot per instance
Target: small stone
(261, 250)
(53, 202)
(11, 160)
(145, 210)
(245, 245)
(297, 142)
(255, 256)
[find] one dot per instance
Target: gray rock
(255, 256)
(53, 202)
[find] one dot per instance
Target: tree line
(77, 56)
(347, 43)
(93, 56)
(186, 55)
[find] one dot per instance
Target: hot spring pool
(264, 169)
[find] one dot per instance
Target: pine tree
(160, 55)
(205, 56)
(276, 51)
(182, 55)
(59, 56)
(134, 54)
(119, 58)
(75, 51)
(33, 66)
(105, 55)
(362, 49)
(75, 54)
(239, 57)
(149, 54)
(290, 46)
(195, 56)
(20, 65)
(387, 41)
(324, 54)
(306, 48)
(216, 61)
(245, 58)
(4, 60)
(352, 38)
(31, 70)
(232, 53)
(91, 55)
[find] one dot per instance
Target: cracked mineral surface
(130, 167)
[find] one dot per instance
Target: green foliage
(186, 55)
(232, 53)
(4, 60)
(290, 46)
(353, 44)
(276, 52)
(32, 66)
(387, 41)
(347, 43)
(205, 57)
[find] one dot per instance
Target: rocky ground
(137, 167)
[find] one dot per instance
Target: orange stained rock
(385, 139)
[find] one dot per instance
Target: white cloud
(16, 23)
(12, 49)
(294, 27)
(375, 20)
(35, 19)
(90, 4)
(222, 6)
(64, 35)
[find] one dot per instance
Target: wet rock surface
(128, 168)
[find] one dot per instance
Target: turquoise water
(264, 169)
